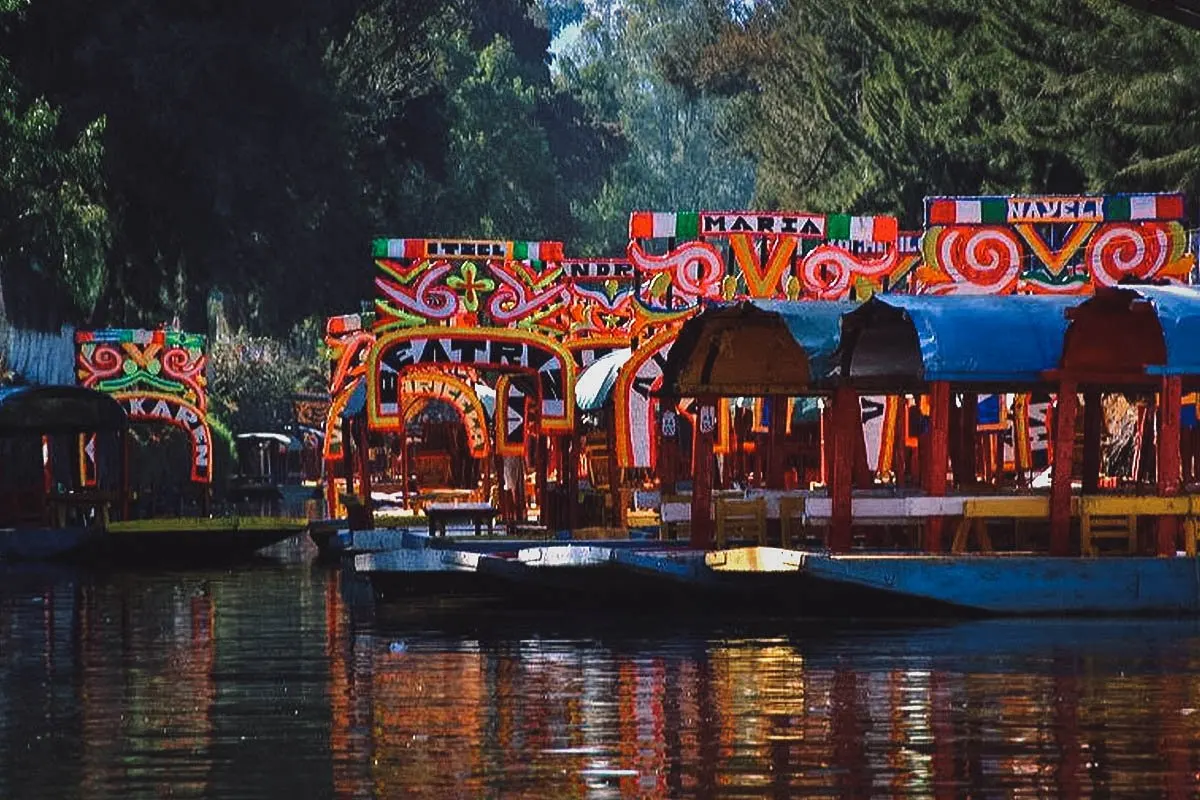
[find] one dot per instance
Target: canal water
(280, 680)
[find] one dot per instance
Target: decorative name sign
(1055, 209)
(995, 210)
(486, 249)
(806, 226)
(157, 376)
(580, 269)
(1051, 244)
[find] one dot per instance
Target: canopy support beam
(1168, 460)
(938, 462)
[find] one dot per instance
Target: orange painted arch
(174, 410)
(502, 350)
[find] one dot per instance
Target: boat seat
(791, 520)
(1191, 525)
(670, 530)
(977, 512)
(741, 520)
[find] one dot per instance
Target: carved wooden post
(938, 462)
(846, 418)
(1167, 459)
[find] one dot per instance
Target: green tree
(680, 151)
(54, 228)
(870, 107)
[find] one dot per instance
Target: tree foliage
(255, 148)
(54, 228)
(872, 106)
(680, 154)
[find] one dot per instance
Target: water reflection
(275, 680)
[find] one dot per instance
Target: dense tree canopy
(161, 151)
(255, 148)
(872, 106)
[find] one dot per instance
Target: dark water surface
(277, 680)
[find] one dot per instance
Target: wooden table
(79, 503)
(442, 514)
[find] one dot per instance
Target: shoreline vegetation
(222, 167)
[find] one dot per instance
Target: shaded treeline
(160, 151)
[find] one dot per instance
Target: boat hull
(1004, 585)
(44, 544)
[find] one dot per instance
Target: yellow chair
(669, 531)
(791, 513)
(1190, 529)
(1106, 519)
(742, 520)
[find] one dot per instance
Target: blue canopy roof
(1178, 311)
(964, 339)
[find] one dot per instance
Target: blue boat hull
(44, 544)
(1012, 585)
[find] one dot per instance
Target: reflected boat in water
(269, 681)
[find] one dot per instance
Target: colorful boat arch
(156, 376)
(421, 388)
(502, 350)
(634, 406)
(172, 410)
(512, 414)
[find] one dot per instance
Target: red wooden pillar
(937, 463)
(827, 429)
(846, 418)
(1060, 470)
(571, 444)
(1167, 459)
(702, 472)
(1093, 425)
(779, 406)
(541, 465)
(614, 469)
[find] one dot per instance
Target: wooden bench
(477, 514)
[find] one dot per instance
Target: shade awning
(487, 398)
(595, 384)
(755, 348)
(58, 410)
(899, 342)
(1178, 312)
(266, 437)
